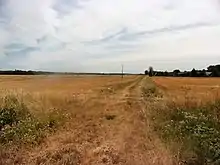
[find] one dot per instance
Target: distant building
(181, 73)
(208, 73)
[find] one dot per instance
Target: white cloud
(97, 35)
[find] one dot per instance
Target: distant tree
(215, 73)
(193, 73)
(146, 72)
(211, 68)
(185, 74)
(176, 72)
(158, 73)
(202, 73)
(151, 71)
(215, 70)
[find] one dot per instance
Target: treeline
(23, 72)
(30, 72)
(211, 71)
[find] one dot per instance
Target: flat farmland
(76, 120)
(187, 116)
(201, 89)
(54, 83)
(97, 120)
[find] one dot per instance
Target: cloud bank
(98, 36)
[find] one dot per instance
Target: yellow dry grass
(197, 90)
(177, 117)
(106, 121)
(57, 84)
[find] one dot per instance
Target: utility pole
(122, 71)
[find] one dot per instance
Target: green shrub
(12, 111)
(25, 131)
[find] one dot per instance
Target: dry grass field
(76, 120)
(205, 89)
(188, 118)
(94, 120)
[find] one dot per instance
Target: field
(109, 120)
(189, 118)
(196, 88)
(74, 120)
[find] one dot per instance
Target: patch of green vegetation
(19, 126)
(197, 128)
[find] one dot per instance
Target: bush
(12, 111)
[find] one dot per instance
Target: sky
(101, 35)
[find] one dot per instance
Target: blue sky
(100, 35)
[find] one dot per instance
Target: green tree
(146, 72)
(176, 72)
(151, 71)
(215, 73)
(193, 73)
(215, 70)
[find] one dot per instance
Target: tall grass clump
(19, 126)
(149, 90)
